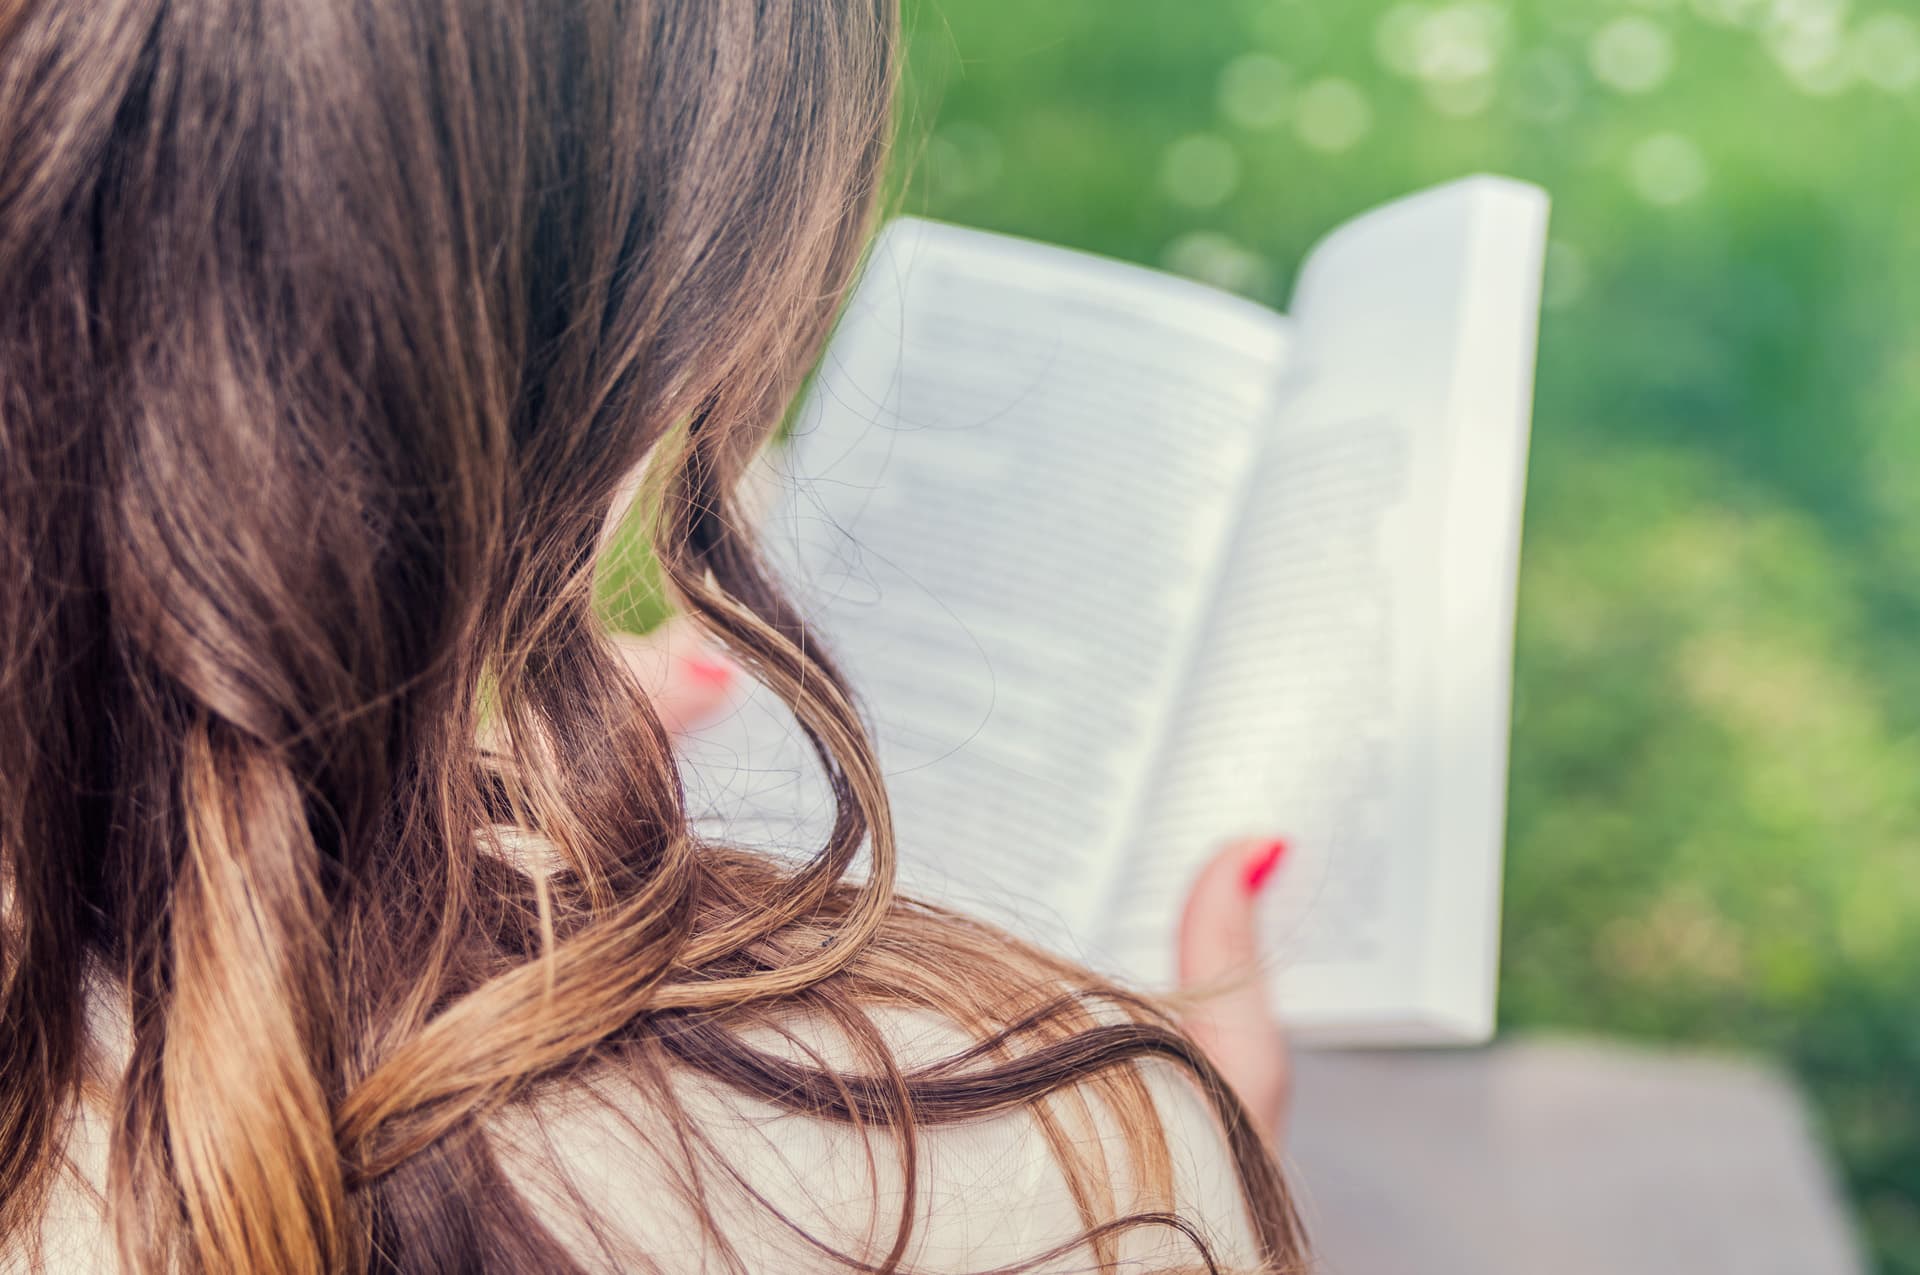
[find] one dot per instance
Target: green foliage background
(1715, 810)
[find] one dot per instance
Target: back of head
(329, 332)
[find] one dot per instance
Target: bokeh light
(1332, 115)
(1200, 170)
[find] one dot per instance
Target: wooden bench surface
(1553, 1157)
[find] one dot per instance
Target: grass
(1715, 811)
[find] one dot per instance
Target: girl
(351, 916)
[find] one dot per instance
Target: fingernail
(1260, 866)
(710, 671)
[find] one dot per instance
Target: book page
(1350, 693)
(1005, 499)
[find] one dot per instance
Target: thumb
(1231, 1015)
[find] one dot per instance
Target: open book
(1123, 567)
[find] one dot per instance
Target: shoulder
(985, 1192)
(72, 1235)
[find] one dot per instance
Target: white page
(1351, 690)
(1007, 494)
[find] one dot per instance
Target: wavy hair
(329, 333)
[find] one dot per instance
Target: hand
(1232, 1015)
(688, 682)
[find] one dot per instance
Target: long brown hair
(328, 333)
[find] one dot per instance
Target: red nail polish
(1260, 866)
(711, 672)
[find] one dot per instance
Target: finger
(688, 682)
(1218, 938)
(1232, 1016)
